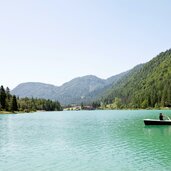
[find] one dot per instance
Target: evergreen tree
(8, 99)
(2, 98)
(14, 106)
(8, 95)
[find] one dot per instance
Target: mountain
(146, 85)
(149, 85)
(36, 90)
(77, 90)
(82, 89)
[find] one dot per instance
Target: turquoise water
(84, 141)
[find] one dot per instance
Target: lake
(84, 141)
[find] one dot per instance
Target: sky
(55, 41)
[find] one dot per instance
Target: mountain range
(144, 85)
(81, 89)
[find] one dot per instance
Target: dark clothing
(161, 116)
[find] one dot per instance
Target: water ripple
(83, 141)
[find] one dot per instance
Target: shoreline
(6, 112)
(23, 112)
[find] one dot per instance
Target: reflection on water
(158, 130)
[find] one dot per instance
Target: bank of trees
(26, 104)
(12, 103)
(147, 87)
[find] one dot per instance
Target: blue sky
(56, 40)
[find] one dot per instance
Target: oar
(167, 117)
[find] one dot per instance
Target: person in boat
(161, 116)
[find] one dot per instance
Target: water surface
(84, 141)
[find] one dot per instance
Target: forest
(146, 86)
(11, 103)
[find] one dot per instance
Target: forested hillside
(10, 103)
(149, 86)
(145, 86)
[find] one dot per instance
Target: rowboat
(156, 122)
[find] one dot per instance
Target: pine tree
(8, 95)
(2, 98)
(8, 99)
(14, 106)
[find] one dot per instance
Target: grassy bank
(5, 112)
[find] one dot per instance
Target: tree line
(11, 103)
(147, 87)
